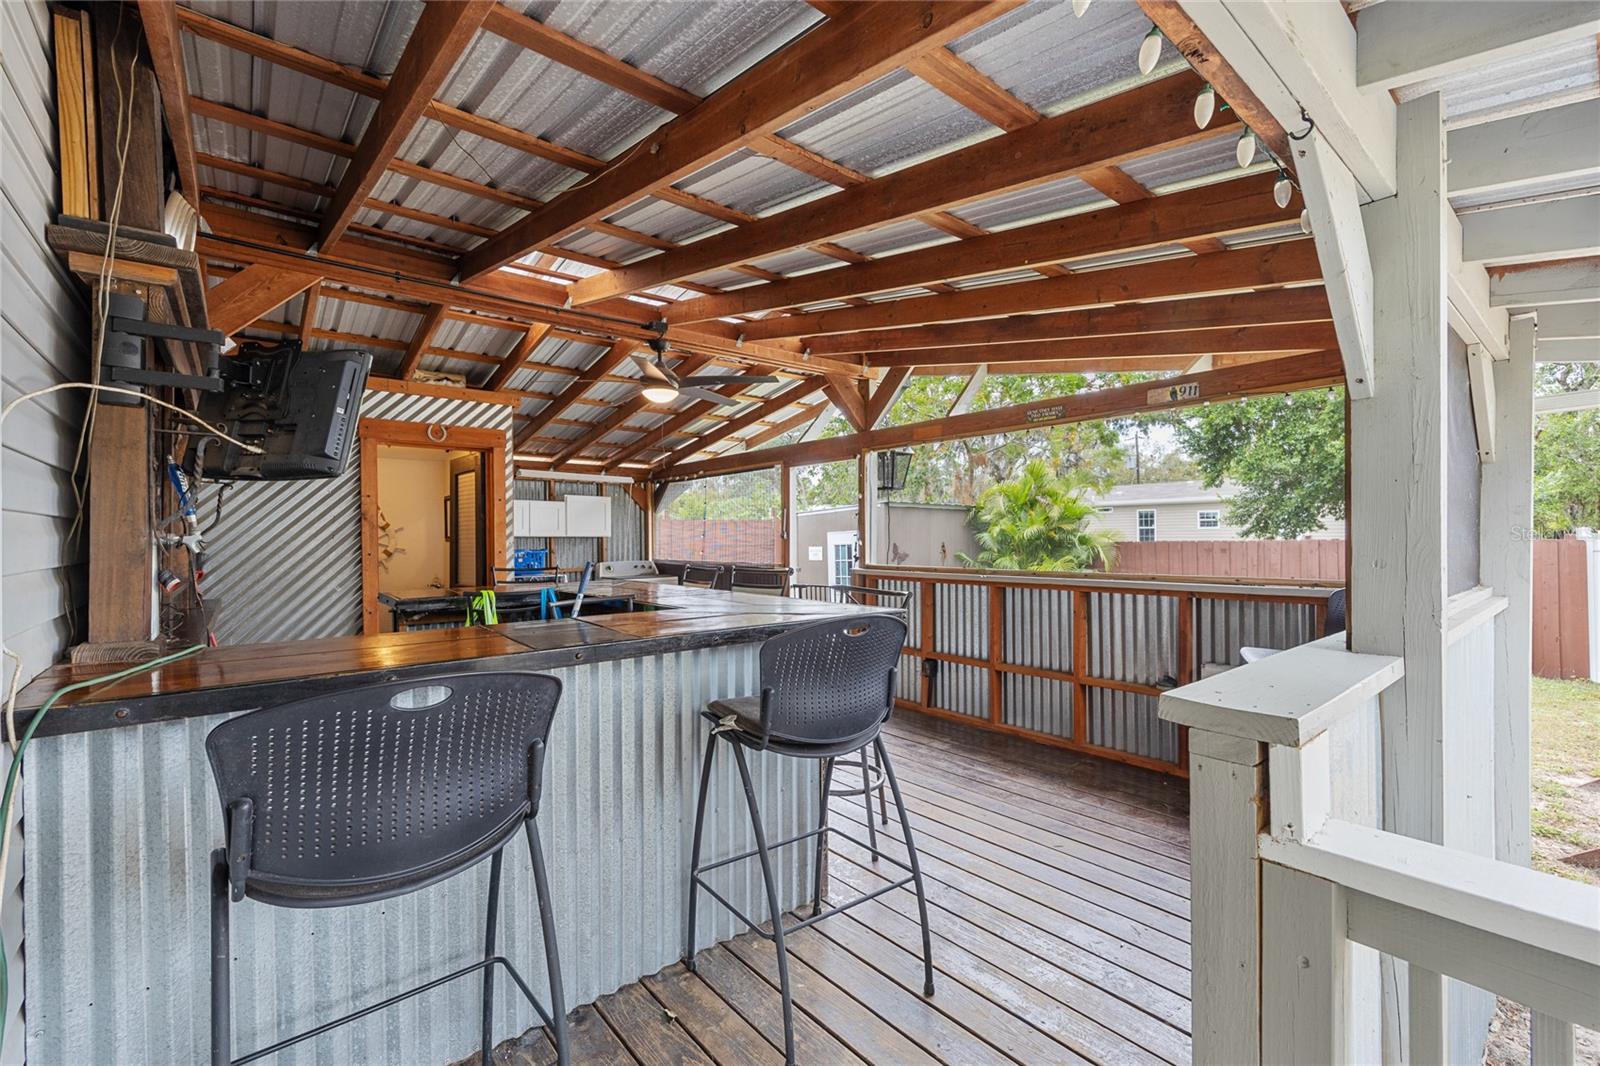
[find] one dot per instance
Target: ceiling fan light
(659, 393)
(1149, 50)
(1244, 153)
(1205, 105)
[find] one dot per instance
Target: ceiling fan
(663, 386)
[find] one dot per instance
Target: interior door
(466, 526)
(841, 555)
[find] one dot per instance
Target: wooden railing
(1301, 899)
(1080, 660)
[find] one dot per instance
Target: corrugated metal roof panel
(606, 246)
(752, 183)
(1050, 200)
(1143, 255)
(1515, 84)
(1199, 159)
(474, 371)
(726, 278)
(1288, 232)
(797, 261)
(1053, 61)
(667, 221)
(887, 124)
(357, 33)
(347, 316)
(987, 280)
(1547, 187)
(900, 236)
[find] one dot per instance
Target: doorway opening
(433, 511)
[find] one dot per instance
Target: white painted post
(1549, 1041)
(1304, 955)
(1505, 539)
(1397, 479)
(1226, 801)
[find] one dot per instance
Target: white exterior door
(841, 555)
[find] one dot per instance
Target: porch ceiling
(579, 172)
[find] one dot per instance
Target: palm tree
(1036, 522)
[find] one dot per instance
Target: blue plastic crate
(529, 561)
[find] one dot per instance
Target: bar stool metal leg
(916, 868)
(822, 838)
(866, 797)
(694, 852)
(772, 904)
(486, 1053)
(552, 954)
(883, 808)
(221, 991)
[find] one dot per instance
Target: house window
(1210, 519)
(1147, 525)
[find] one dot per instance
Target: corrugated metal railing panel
(962, 689)
(122, 821)
(1038, 628)
(1222, 627)
(1126, 721)
(285, 559)
(913, 608)
(961, 620)
(908, 679)
(1041, 704)
(1133, 638)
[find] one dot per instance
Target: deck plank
(723, 1033)
(757, 1003)
(652, 1035)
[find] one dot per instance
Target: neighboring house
(1176, 510)
(916, 534)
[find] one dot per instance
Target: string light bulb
(1079, 7)
(1149, 50)
(1282, 190)
(1205, 105)
(1305, 223)
(1245, 151)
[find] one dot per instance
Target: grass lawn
(1566, 757)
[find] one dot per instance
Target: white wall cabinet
(588, 516)
(571, 516)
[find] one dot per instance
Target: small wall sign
(1046, 414)
(1189, 390)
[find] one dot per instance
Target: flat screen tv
(300, 408)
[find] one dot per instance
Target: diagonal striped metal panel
(285, 560)
(122, 821)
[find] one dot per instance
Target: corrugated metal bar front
(961, 620)
(1127, 721)
(1040, 704)
(913, 607)
(1133, 638)
(1038, 628)
(122, 822)
(961, 688)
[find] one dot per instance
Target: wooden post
(1080, 665)
(1397, 527)
(1505, 552)
(121, 492)
(1303, 957)
(1227, 805)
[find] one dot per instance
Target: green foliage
(748, 495)
(1286, 454)
(1566, 472)
(1036, 521)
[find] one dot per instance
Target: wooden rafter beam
(1276, 307)
(421, 340)
(972, 89)
(1149, 118)
(518, 355)
(246, 296)
(833, 59)
(356, 81)
(848, 399)
(1277, 375)
(440, 37)
(1301, 337)
(800, 390)
(162, 35)
(603, 364)
(308, 313)
(1209, 211)
(883, 395)
(808, 413)
(1133, 365)
(1287, 263)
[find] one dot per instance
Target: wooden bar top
(669, 618)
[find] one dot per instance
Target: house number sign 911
(1189, 390)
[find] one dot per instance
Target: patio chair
(871, 772)
(826, 691)
(705, 576)
(328, 802)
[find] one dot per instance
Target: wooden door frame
(375, 432)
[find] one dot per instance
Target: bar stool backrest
(830, 682)
(1336, 609)
(705, 575)
(380, 790)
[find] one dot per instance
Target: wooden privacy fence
(1079, 661)
(1565, 590)
(1295, 560)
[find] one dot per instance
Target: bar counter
(120, 816)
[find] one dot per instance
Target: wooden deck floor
(1059, 898)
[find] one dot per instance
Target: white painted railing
(1300, 898)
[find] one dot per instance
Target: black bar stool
(706, 576)
(826, 690)
(373, 793)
